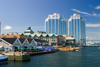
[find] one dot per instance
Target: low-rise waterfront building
(32, 42)
(13, 35)
(10, 43)
(40, 32)
(44, 39)
(24, 42)
(17, 43)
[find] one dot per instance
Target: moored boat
(3, 58)
(90, 43)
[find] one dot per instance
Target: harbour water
(85, 57)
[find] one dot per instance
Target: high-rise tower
(56, 23)
(76, 28)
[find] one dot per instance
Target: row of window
(47, 38)
(52, 40)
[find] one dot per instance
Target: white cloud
(92, 25)
(98, 7)
(7, 27)
(81, 12)
(93, 37)
(94, 14)
(87, 37)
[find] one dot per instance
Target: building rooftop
(70, 38)
(29, 40)
(22, 40)
(29, 30)
(76, 15)
(10, 40)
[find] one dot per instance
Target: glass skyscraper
(57, 24)
(76, 28)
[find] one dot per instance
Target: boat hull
(3, 59)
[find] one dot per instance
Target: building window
(47, 38)
(53, 38)
(14, 37)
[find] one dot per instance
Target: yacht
(3, 58)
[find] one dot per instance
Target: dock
(91, 46)
(25, 56)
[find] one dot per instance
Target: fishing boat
(3, 58)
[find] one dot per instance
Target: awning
(1, 46)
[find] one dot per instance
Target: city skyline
(16, 15)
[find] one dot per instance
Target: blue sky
(17, 15)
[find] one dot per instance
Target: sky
(17, 15)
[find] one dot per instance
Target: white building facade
(57, 24)
(77, 28)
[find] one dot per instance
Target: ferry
(90, 43)
(3, 58)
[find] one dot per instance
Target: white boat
(90, 43)
(3, 58)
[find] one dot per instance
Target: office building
(57, 24)
(77, 29)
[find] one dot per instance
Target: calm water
(85, 57)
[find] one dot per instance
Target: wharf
(69, 48)
(17, 56)
(91, 46)
(25, 56)
(42, 52)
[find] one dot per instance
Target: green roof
(70, 38)
(38, 35)
(52, 35)
(63, 35)
(33, 35)
(28, 30)
(5, 34)
(44, 35)
(27, 34)
(10, 33)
